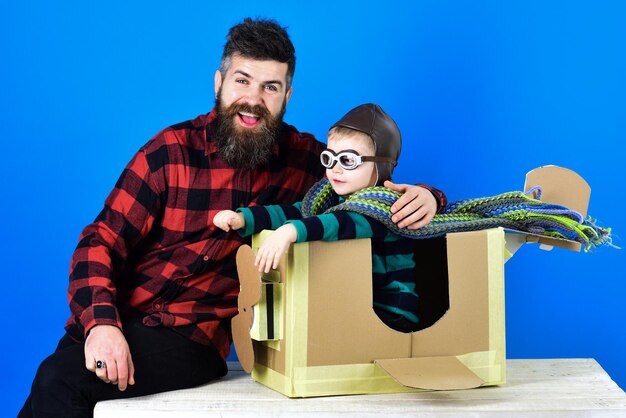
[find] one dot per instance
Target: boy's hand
(274, 246)
(227, 220)
(415, 208)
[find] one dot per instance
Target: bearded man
(153, 283)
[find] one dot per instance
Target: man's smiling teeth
(249, 119)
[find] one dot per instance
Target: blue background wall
(483, 92)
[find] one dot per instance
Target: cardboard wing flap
(431, 373)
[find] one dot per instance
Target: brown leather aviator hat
(372, 120)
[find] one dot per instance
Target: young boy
(363, 149)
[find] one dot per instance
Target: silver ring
(100, 364)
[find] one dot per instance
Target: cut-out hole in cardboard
(431, 285)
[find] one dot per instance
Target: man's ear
(217, 82)
(288, 95)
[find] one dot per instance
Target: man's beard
(241, 147)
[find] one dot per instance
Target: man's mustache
(261, 111)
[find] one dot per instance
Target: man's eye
(271, 87)
(241, 81)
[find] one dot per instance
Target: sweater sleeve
(258, 218)
(336, 226)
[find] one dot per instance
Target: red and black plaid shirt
(154, 252)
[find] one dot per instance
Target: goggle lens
(348, 160)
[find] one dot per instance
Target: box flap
(434, 373)
(249, 295)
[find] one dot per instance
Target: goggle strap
(380, 160)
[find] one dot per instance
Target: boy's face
(343, 181)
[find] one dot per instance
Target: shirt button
(157, 306)
(205, 258)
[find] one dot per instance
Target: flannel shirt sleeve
(128, 215)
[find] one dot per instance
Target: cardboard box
(317, 334)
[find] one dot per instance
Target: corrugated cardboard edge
(434, 373)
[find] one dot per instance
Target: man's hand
(228, 219)
(415, 208)
(106, 343)
(274, 246)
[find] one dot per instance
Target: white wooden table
(535, 388)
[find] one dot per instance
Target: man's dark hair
(261, 39)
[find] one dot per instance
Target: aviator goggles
(348, 159)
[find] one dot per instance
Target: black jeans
(164, 360)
